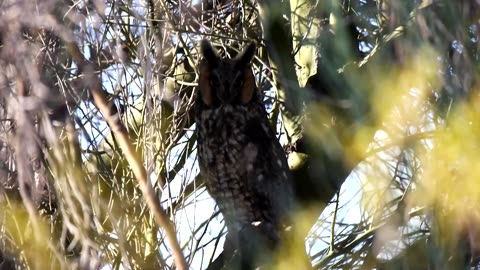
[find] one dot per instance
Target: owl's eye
(214, 81)
(238, 83)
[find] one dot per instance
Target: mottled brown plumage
(241, 160)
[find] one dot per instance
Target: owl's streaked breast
(224, 160)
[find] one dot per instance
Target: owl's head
(226, 81)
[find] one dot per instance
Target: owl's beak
(227, 97)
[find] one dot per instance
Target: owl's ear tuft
(208, 52)
(245, 57)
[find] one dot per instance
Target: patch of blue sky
(198, 229)
(373, 21)
(365, 47)
(348, 212)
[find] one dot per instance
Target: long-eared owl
(243, 164)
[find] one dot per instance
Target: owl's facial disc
(226, 81)
(237, 83)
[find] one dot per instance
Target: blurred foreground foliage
(376, 101)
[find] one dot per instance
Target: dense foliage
(376, 103)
